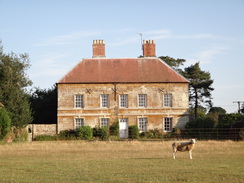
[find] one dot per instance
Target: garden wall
(41, 129)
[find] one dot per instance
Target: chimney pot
(98, 49)
(149, 48)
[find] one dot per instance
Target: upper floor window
(142, 100)
(79, 102)
(168, 100)
(142, 123)
(104, 122)
(79, 122)
(123, 101)
(104, 100)
(168, 125)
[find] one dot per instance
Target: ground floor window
(142, 123)
(168, 124)
(104, 122)
(79, 122)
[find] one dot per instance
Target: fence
(210, 133)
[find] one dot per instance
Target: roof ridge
(122, 70)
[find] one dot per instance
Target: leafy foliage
(201, 123)
(152, 134)
(67, 135)
(102, 133)
(133, 132)
(5, 122)
(114, 129)
(218, 110)
(84, 132)
(174, 63)
(13, 81)
(200, 86)
(228, 119)
(44, 106)
(44, 138)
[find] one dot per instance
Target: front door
(123, 128)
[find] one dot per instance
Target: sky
(57, 34)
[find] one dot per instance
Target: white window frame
(104, 122)
(142, 100)
(142, 124)
(168, 124)
(123, 101)
(104, 100)
(79, 122)
(168, 100)
(79, 101)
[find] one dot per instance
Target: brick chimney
(149, 48)
(98, 48)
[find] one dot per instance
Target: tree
(218, 110)
(174, 63)
(13, 83)
(5, 122)
(200, 86)
(201, 111)
(215, 112)
(44, 106)
(228, 119)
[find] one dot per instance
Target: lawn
(120, 161)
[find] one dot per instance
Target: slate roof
(122, 70)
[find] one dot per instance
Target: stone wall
(155, 111)
(41, 129)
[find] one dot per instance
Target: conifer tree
(200, 86)
(174, 63)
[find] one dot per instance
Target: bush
(101, 133)
(67, 135)
(114, 129)
(9, 137)
(228, 119)
(104, 133)
(201, 123)
(133, 132)
(5, 122)
(21, 134)
(44, 138)
(152, 134)
(96, 132)
(84, 132)
(114, 138)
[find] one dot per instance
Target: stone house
(144, 91)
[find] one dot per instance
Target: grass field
(133, 161)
